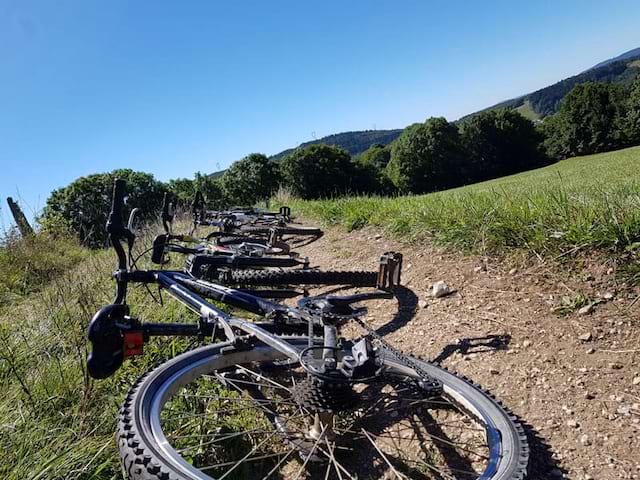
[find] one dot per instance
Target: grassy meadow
(590, 202)
(55, 422)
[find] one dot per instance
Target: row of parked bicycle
(248, 247)
(277, 390)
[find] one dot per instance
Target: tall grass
(56, 422)
(587, 202)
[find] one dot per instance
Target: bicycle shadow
(302, 242)
(407, 307)
(467, 346)
(542, 464)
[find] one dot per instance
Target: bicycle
(249, 263)
(263, 400)
(248, 220)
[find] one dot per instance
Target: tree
(498, 143)
(590, 120)
(426, 157)
(318, 171)
(632, 119)
(376, 155)
(555, 144)
(251, 179)
(84, 204)
(183, 188)
(211, 188)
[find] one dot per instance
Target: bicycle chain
(432, 386)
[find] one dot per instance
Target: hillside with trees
(546, 101)
(354, 143)
(426, 157)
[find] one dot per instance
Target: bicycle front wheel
(216, 412)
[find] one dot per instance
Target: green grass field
(590, 202)
(56, 423)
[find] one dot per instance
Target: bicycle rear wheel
(303, 277)
(216, 412)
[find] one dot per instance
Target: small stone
(494, 371)
(479, 268)
(422, 303)
(585, 337)
(572, 423)
(513, 271)
(636, 381)
(615, 366)
(589, 395)
(585, 440)
(526, 344)
(591, 350)
(608, 296)
(377, 236)
(587, 309)
(624, 410)
(440, 289)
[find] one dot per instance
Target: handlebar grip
(115, 223)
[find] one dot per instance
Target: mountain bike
(254, 262)
(249, 220)
(287, 395)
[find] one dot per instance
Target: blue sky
(173, 88)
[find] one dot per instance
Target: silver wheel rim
(498, 465)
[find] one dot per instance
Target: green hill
(536, 105)
(353, 142)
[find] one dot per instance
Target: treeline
(426, 157)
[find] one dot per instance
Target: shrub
(83, 206)
(250, 180)
(318, 171)
(426, 157)
(28, 263)
(500, 143)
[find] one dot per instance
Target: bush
(426, 157)
(250, 180)
(83, 206)
(500, 143)
(376, 156)
(28, 263)
(590, 120)
(185, 190)
(632, 120)
(318, 171)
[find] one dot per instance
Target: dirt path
(574, 378)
